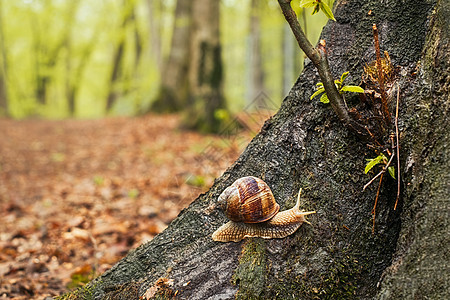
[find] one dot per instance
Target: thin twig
(398, 147)
(375, 205)
(384, 105)
(318, 56)
(381, 172)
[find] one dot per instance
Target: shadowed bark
(305, 145)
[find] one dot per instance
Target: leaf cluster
(340, 87)
(318, 5)
(380, 159)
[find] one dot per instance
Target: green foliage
(70, 47)
(133, 193)
(380, 159)
(222, 114)
(196, 180)
(339, 85)
(375, 161)
(391, 170)
(318, 5)
(98, 180)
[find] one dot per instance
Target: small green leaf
(343, 76)
(324, 98)
(318, 92)
(133, 193)
(352, 88)
(326, 10)
(98, 180)
(373, 162)
(338, 84)
(295, 5)
(307, 3)
(316, 9)
(391, 170)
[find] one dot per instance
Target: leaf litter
(77, 195)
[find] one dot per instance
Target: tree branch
(320, 61)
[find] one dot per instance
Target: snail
(253, 211)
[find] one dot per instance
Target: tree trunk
(3, 69)
(118, 56)
(154, 24)
(75, 73)
(47, 57)
(174, 77)
(256, 83)
(205, 76)
(304, 145)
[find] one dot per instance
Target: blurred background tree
(89, 59)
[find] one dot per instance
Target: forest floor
(77, 195)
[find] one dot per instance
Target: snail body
(251, 207)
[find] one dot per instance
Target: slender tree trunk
(118, 56)
(304, 145)
(154, 24)
(75, 74)
(47, 58)
(206, 102)
(174, 78)
(256, 87)
(3, 69)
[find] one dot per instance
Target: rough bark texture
(304, 145)
(420, 268)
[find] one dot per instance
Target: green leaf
(373, 162)
(391, 170)
(295, 5)
(338, 84)
(324, 98)
(352, 88)
(326, 10)
(316, 9)
(343, 76)
(318, 92)
(307, 3)
(133, 193)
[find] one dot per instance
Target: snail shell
(251, 207)
(248, 200)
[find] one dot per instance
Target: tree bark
(174, 78)
(256, 86)
(118, 56)
(304, 145)
(205, 75)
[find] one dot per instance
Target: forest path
(77, 195)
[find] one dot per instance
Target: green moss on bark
(251, 272)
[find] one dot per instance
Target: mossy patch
(86, 292)
(251, 273)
